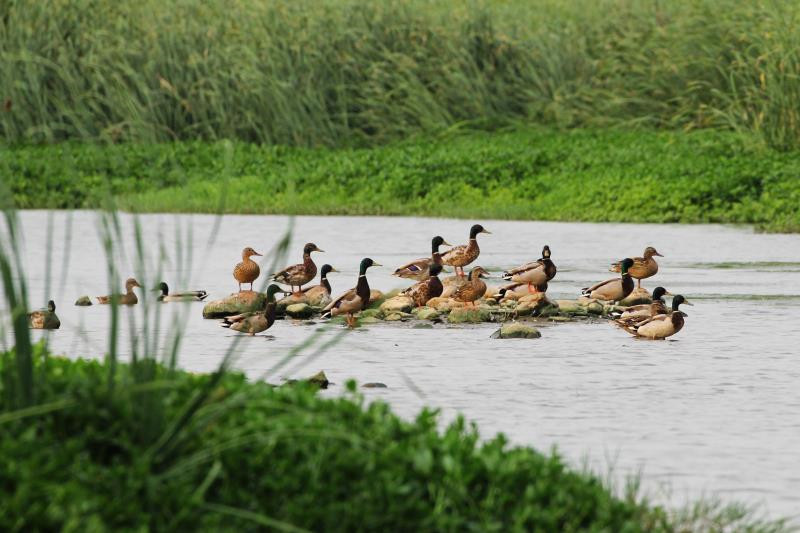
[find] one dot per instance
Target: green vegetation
(582, 175)
(356, 72)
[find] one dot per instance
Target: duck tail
(202, 295)
(585, 291)
(507, 275)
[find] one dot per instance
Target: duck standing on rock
(473, 289)
(462, 255)
(129, 298)
(535, 274)
(300, 274)
(643, 267)
(419, 268)
(44, 318)
(637, 313)
(661, 326)
(252, 323)
(354, 300)
(614, 289)
(248, 270)
(318, 294)
(423, 291)
(187, 296)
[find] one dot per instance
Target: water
(715, 412)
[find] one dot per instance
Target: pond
(714, 412)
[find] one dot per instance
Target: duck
(187, 296)
(44, 318)
(252, 323)
(248, 270)
(643, 267)
(464, 254)
(636, 313)
(613, 289)
(473, 289)
(300, 274)
(419, 268)
(319, 293)
(423, 291)
(354, 300)
(663, 325)
(535, 273)
(517, 290)
(129, 298)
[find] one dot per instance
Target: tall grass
(355, 72)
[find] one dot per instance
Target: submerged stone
(242, 302)
(369, 320)
(319, 379)
(516, 330)
(83, 301)
(469, 315)
(375, 385)
(571, 307)
(299, 311)
(426, 313)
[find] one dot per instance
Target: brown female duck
(474, 288)
(614, 289)
(423, 291)
(355, 299)
(643, 267)
(661, 326)
(300, 274)
(534, 274)
(637, 313)
(419, 268)
(247, 271)
(461, 256)
(129, 298)
(252, 323)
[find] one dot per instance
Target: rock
(571, 307)
(548, 310)
(444, 305)
(638, 296)
(397, 316)
(83, 301)
(560, 318)
(516, 330)
(371, 313)
(422, 325)
(524, 309)
(426, 313)
(469, 315)
(369, 320)
(595, 308)
(319, 379)
(299, 311)
(403, 304)
(376, 385)
(242, 302)
(489, 301)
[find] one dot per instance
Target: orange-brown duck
(129, 298)
(474, 288)
(247, 271)
(461, 256)
(423, 291)
(643, 267)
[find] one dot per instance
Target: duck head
(272, 290)
(650, 252)
(478, 272)
(130, 283)
(163, 288)
(51, 306)
(365, 264)
(546, 252)
(625, 265)
(311, 247)
(437, 242)
(248, 252)
(659, 293)
(326, 269)
(477, 228)
(678, 300)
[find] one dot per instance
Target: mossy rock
(371, 313)
(464, 315)
(595, 308)
(444, 305)
(402, 304)
(571, 307)
(397, 316)
(549, 310)
(560, 318)
(374, 385)
(83, 301)
(516, 330)
(369, 320)
(242, 302)
(319, 379)
(426, 313)
(422, 325)
(299, 311)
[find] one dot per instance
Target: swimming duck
(419, 268)
(614, 289)
(319, 293)
(253, 323)
(643, 267)
(423, 291)
(461, 256)
(129, 298)
(44, 318)
(637, 313)
(355, 299)
(535, 273)
(188, 296)
(300, 274)
(661, 326)
(247, 271)
(474, 288)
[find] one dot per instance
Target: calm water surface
(716, 412)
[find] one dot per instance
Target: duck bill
(658, 254)
(334, 270)
(319, 250)
(687, 302)
(485, 231)
(258, 254)
(376, 264)
(445, 243)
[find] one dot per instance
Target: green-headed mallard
(300, 274)
(422, 291)
(473, 289)
(613, 289)
(355, 299)
(637, 313)
(186, 296)
(462, 255)
(247, 271)
(44, 318)
(253, 323)
(535, 273)
(129, 298)
(418, 269)
(318, 294)
(661, 326)
(643, 267)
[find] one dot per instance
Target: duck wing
(417, 267)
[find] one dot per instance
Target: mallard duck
(474, 288)
(187, 296)
(418, 269)
(643, 267)
(518, 289)
(661, 326)
(319, 293)
(247, 271)
(253, 323)
(423, 291)
(44, 318)
(355, 299)
(535, 273)
(300, 274)
(462, 255)
(636, 313)
(129, 298)
(613, 289)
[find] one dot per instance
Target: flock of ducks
(653, 321)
